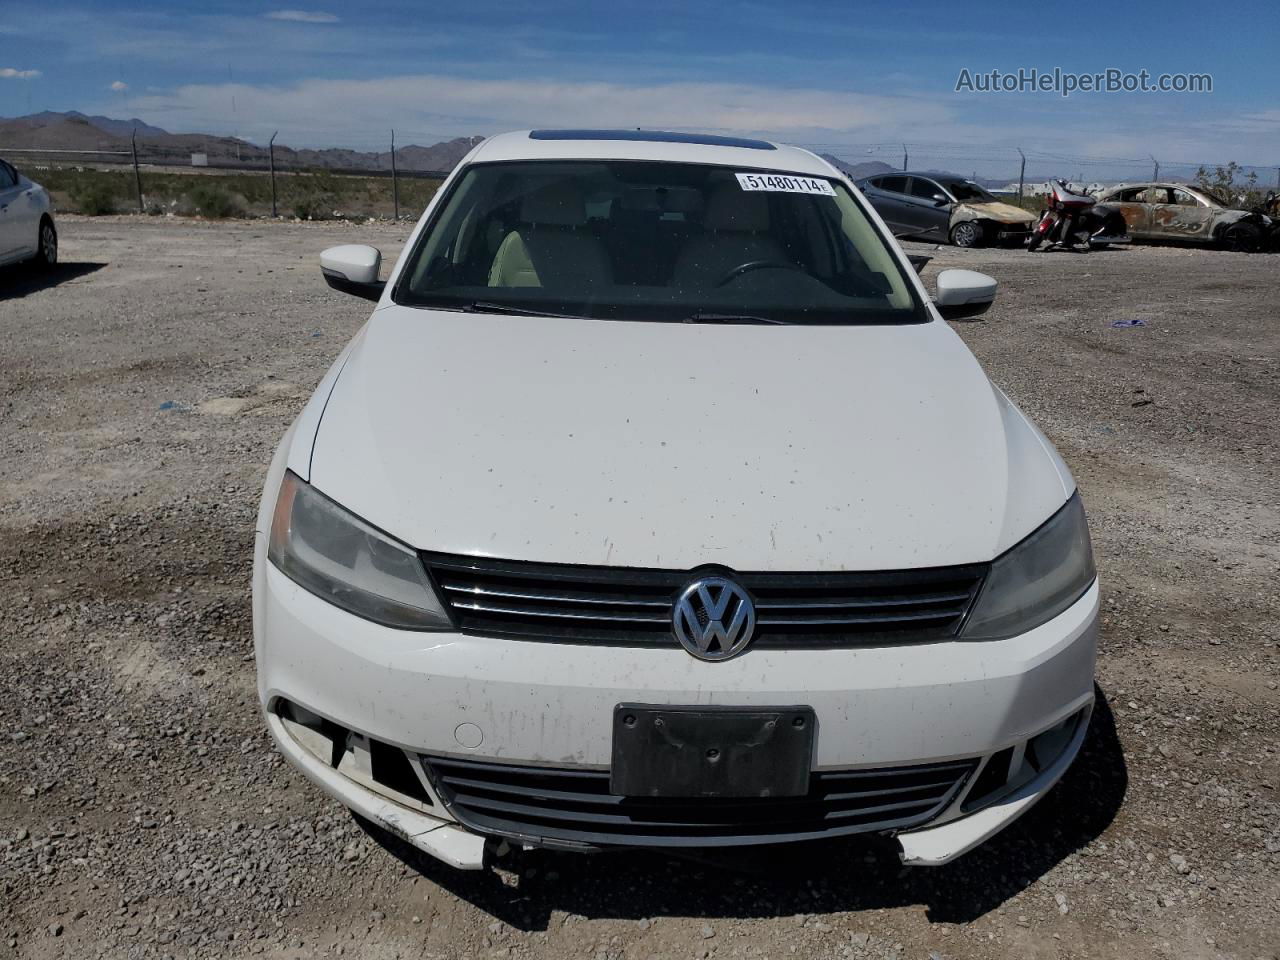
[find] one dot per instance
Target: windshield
(966, 191)
(633, 240)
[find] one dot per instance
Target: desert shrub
(313, 196)
(1231, 185)
(213, 200)
(93, 197)
(255, 190)
(307, 206)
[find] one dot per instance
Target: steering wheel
(753, 265)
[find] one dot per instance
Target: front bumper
(524, 702)
(1013, 233)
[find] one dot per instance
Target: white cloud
(9, 73)
(302, 16)
(945, 132)
(119, 85)
(329, 112)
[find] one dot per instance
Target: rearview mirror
(353, 268)
(964, 293)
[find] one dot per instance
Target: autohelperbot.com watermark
(1066, 82)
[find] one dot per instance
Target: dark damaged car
(946, 209)
(1183, 213)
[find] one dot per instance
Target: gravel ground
(142, 809)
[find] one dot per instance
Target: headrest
(732, 208)
(558, 204)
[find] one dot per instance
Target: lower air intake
(574, 807)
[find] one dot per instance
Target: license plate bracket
(666, 751)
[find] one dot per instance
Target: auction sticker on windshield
(784, 184)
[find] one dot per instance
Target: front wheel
(47, 252)
(1242, 238)
(967, 234)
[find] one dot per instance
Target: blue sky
(855, 79)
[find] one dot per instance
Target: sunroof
(651, 136)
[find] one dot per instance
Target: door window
(893, 184)
(924, 189)
(8, 176)
(1133, 195)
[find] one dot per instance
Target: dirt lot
(144, 813)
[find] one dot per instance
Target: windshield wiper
(705, 317)
(488, 306)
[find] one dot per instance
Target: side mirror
(353, 268)
(964, 293)
(940, 199)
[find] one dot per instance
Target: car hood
(676, 445)
(995, 210)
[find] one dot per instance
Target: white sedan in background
(26, 220)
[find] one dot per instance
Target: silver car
(1184, 213)
(946, 209)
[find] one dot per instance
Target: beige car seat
(552, 248)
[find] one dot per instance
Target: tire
(967, 234)
(1242, 238)
(1037, 238)
(47, 253)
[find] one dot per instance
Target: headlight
(340, 558)
(1037, 579)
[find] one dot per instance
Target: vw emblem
(714, 618)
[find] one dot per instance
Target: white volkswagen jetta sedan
(656, 505)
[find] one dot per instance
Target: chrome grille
(574, 807)
(632, 606)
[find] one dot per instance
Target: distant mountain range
(76, 131)
(120, 128)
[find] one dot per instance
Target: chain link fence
(237, 178)
(257, 181)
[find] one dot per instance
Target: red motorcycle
(1073, 220)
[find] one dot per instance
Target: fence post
(271, 166)
(395, 184)
(1022, 174)
(137, 177)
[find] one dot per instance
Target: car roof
(911, 173)
(1153, 183)
(650, 145)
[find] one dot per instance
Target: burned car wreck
(946, 209)
(1183, 213)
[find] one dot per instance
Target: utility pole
(1022, 174)
(1156, 173)
(395, 185)
(904, 156)
(271, 165)
(137, 177)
